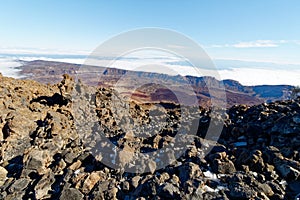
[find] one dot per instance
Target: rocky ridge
(44, 156)
(51, 72)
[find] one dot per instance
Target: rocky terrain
(46, 155)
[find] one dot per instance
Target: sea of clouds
(247, 73)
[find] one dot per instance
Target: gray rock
(151, 166)
(168, 191)
(223, 167)
(19, 185)
(37, 160)
(188, 170)
(69, 157)
(241, 191)
(43, 187)
(71, 194)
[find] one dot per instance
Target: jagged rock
(61, 165)
(175, 180)
(276, 188)
(37, 160)
(125, 186)
(266, 189)
(19, 185)
(135, 181)
(241, 191)
(43, 187)
(168, 191)
(69, 157)
(16, 195)
(164, 177)
(112, 192)
(188, 171)
(45, 154)
(90, 182)
(76, 165)
(223, 167)
(71, 194)
(151, 166)
(101, 189)
(256, 162)
(125, 156)
(66, 87)
(3, 174)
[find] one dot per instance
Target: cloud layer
(246, 75)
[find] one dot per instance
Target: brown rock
(90, 182)
(164, 177)
(3, 174)
(223, 166)
(265, 188)
(76, 165)
(43, 187)
(112, 194)
(66, 87)
(135, 181)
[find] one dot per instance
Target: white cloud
(41, 51)
(248, 76)
(8, 67)
(297, 42)
(256, 44)
(67, 60)
(240, 62)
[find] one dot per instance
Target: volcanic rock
(71, 194)
(3, 174)
(55, 138)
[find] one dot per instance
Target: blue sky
(253, 30)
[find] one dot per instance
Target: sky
(253, 31)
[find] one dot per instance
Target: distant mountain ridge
(50, 72)
(270, 92)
